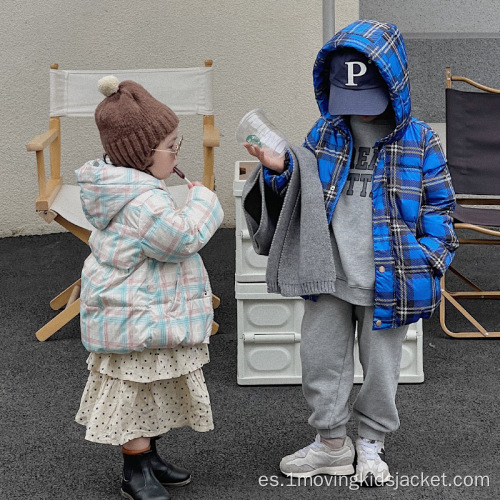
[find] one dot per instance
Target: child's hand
(195, 183)
(275, 163)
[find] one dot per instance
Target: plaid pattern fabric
(279, 183)
(413, 199)
(144, 284)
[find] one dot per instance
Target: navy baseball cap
(356, 86)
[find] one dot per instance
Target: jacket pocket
(418, 291)
(409, 256)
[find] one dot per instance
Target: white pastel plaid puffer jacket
(144, 284)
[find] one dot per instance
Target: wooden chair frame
(48, 189)
(490, 237)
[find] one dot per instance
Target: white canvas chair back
(187, 91)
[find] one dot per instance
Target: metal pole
(328, 19)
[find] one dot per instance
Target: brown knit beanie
(131, 122)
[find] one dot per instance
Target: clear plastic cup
(255, 128)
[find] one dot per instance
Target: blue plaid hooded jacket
(413, 199)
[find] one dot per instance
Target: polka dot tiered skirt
(145, 394)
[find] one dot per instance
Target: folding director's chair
(473, 152)
(73, 93)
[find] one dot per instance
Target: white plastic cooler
(268, 325)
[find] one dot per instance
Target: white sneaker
(371, 467)
(317, 458)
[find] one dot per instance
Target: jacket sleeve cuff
(279, 183)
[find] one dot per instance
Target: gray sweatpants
(326, 350)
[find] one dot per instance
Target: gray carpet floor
(447, 428)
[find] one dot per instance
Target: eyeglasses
(174, 149)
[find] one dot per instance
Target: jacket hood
(384, 45)
(105, 189)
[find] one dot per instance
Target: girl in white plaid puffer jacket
(146, 300)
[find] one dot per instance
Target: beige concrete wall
(346, 12)
(263, 54)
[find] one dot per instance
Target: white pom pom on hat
(108, 85)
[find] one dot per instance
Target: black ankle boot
(139, 481)
(167, 474)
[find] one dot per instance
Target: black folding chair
(473, 152)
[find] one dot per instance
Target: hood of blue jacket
(384, 45)
(105, 189)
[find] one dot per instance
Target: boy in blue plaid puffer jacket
(389, 203)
